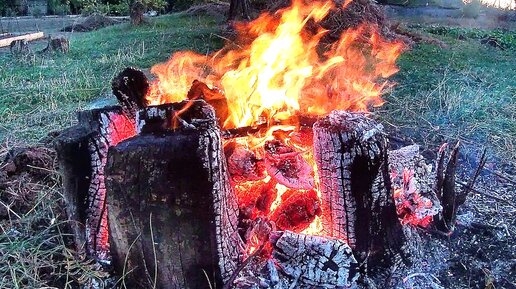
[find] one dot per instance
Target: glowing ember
(412, 208)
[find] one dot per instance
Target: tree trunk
(357, 203)
(136, 15)
(175, 212)
(235, 6)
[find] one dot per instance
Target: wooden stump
(137, 10)
(172, 212)
(357, 202)
(19, 47)
(82, 152)
(60, 44)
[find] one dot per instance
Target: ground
(465, 91)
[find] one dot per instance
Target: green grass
(39, 93)
(465, 92)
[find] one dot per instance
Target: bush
(472, 9)
(118, 7)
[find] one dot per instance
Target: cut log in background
(357, 204)
(173, 214)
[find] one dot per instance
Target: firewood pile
(169, 199)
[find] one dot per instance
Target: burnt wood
(82, 150)
(172, 212)
(357, 202)
(314, 261)
(130, 88)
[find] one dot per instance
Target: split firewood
(297, 210)
(317, 261)
(287, 166)
(130, 88)
(212, 96)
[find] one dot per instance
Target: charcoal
(243, 165)
(297, 210)
(287, 166)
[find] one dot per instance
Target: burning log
(82, 152)
(351, 154)
(313, 261)
(169, 192)
(213, 97)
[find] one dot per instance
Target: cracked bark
(82, 151)
(176, 215)
(357, 202)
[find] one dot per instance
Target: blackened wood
(172, 211)
(357, 203)
(187, 114)
(213, 96)
(446, 190)
(81, 154)
(422, 198)
(130, 88)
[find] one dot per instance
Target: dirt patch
(93, 22)
(23, 174)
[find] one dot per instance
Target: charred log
(175, 212)
(212, 96)
(314, 261)
(445, 189)
(82, 151)
(414, 196)
(130, 88)
(351, 154)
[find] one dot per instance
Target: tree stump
(235, 6)
(357, 202)
(19, 47)
(60, 44)
(82, 152)
(172, 212)
(136, 15)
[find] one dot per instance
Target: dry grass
(34, 240)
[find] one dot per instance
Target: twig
(229, 284)
(487, 194)
(502, 176)
(461, 199)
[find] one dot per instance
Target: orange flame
(281, 67)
